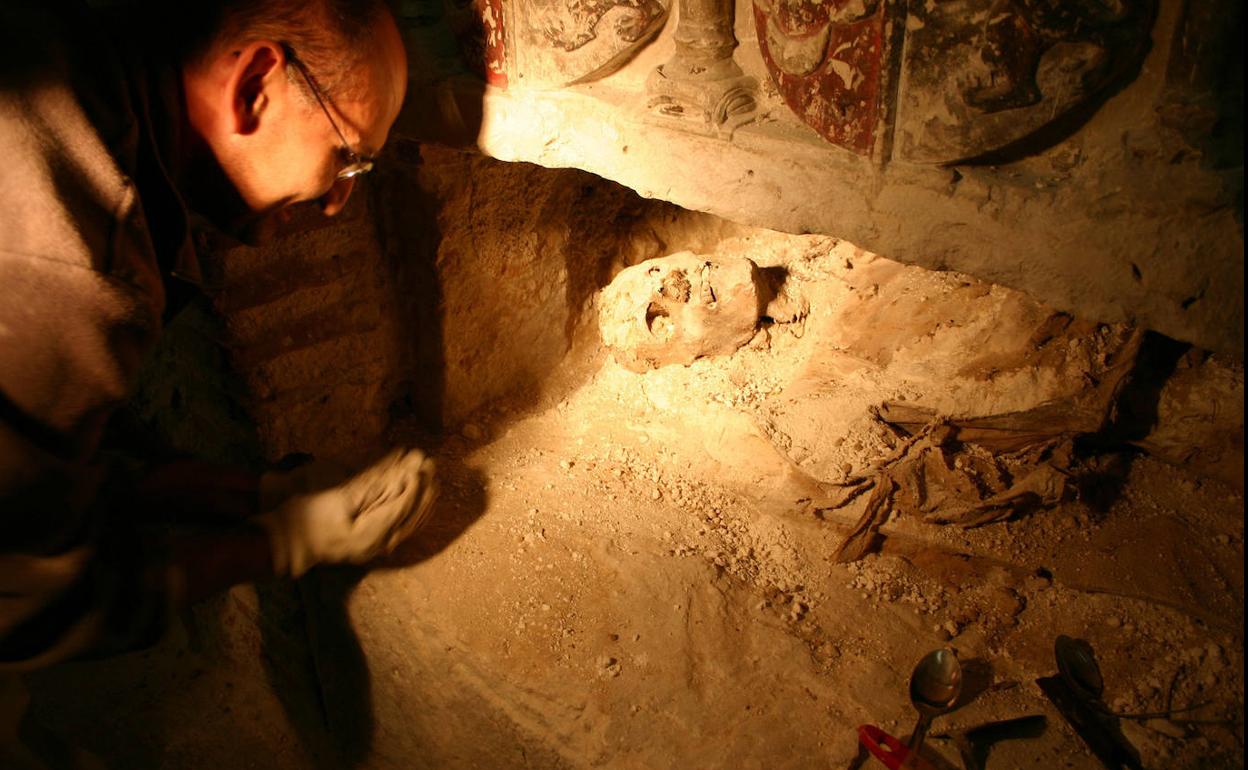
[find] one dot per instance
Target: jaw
(210, 192)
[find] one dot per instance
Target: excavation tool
(934, 689)
(1076, 692)
(1077, 666)
(935, 686)
(1076, 663)
(889, 750)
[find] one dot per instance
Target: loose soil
(624, 577)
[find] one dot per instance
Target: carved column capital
(701, 86)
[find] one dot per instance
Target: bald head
(289, 95)
(333, 37)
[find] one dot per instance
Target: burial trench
(728, 557)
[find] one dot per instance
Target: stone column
(701, 85)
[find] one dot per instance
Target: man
(111, 131)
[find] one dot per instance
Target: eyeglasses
(353, 164)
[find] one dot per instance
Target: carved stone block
(561, 42)
(830, 61)
(982, 74)
(702, 87)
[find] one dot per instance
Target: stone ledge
(1099, 225)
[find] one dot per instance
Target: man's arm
(191, 491)
(205, 564)
(319, 513)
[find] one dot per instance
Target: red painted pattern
(846, 114)
(494, 41)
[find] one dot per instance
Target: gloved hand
(328, 516)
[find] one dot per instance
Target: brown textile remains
(978, 470)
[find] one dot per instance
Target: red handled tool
(892, 752)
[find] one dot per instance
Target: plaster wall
(1131, 214)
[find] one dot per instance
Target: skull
(678, 308)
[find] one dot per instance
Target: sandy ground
(620, 577)
(632, 616)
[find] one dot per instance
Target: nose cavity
(335, 200)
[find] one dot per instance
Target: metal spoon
(1076, 663)
(934, 687)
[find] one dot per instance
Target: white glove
(332, 518)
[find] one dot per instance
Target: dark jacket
(81, 300)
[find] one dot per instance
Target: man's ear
(253, 82)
